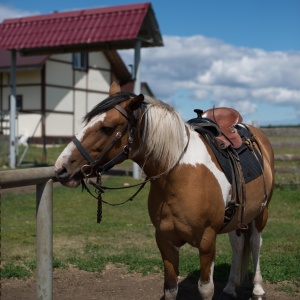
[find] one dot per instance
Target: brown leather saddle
(226, 119)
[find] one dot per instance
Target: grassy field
(126, 235)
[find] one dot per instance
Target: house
(66, 63)
(63, 87)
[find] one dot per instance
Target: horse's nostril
(61, 171)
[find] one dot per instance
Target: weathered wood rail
(43, 178)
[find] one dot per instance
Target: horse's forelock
(107, 104)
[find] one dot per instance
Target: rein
(100, 189)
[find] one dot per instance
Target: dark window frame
(19, 102)
(80, 61)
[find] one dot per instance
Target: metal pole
(137, 90)
(44, 242)
(12, 147)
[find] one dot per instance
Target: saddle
(233, 147)
(226, 119)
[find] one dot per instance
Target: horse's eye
(107, 130)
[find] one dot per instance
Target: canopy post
(137, 90)
(12, 146)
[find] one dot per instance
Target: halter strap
(93, 162)
(122, 111)
(82, 150)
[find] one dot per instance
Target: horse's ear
(136, 102)
(114, 88)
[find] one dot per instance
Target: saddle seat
(226, 118)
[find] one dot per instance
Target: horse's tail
(246, 253)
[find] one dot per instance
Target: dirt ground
(116, 284)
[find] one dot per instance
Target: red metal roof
(115, 27)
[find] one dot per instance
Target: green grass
(126, 235)
(37, 156)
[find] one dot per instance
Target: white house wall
(81, 107)
(80, 80)
(74, 91)
(59, 99)
(31, 97)
(23, 78)
(69, 94)
(98, 81)
(59, 74)
(63, 57)
(94, 99)
(28, 124)
(28, 85)
(59, 123)
(98, 60)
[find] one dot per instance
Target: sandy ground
(116, 284)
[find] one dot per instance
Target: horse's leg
(255, 243)
(207, 252)
(237, 245)
(170, 257)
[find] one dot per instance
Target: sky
(243, 54)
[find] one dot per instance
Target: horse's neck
(149, 167)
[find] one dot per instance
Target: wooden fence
(43, 179)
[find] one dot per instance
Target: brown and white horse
(189, 190)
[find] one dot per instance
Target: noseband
(93, 166)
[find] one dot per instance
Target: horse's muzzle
(65, 179)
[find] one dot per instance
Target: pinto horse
(189, 191)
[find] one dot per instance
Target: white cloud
(225, 74)
(7, 12)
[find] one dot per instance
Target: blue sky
(243, 54)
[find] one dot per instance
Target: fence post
(44, 242)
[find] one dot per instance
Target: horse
(188, 189)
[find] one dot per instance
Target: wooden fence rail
(43, 179)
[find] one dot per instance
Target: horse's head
(104, 141)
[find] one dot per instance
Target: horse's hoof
(170, 294)
(258, 297)
(225, 296)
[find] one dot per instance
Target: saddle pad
(250, 166)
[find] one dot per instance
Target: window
(19, 102)
(80, 61)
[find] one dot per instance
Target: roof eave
(114, 45)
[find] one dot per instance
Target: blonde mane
(164, 135)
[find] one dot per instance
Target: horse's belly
(255, 192)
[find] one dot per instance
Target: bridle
(94, 166)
